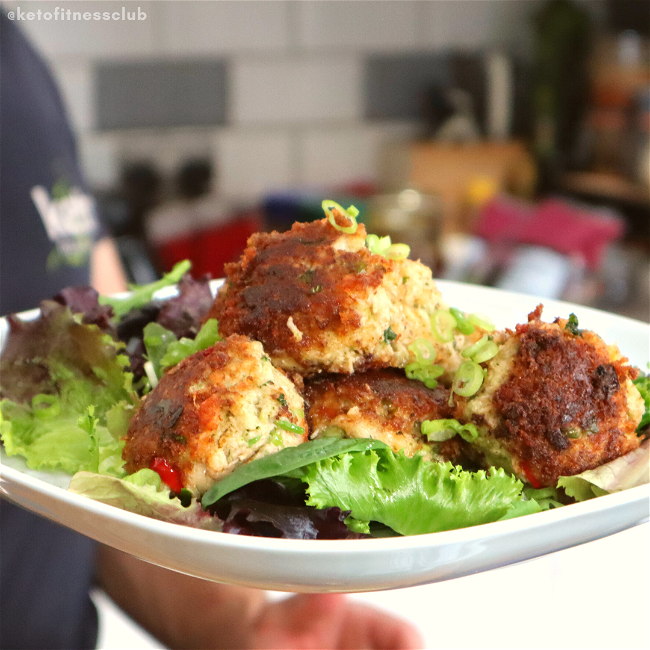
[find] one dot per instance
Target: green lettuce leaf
(622, 473)
(286, 462)
(535, 500)
(140, 295)
(145, 494)
(164, 350)
(157, 340)
(73, 416)
(409, 495)
(642, 382)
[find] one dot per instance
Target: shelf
(606, 186)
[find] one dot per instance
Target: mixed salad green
(73, 378)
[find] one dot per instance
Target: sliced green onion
(463, 325)
(442, 325)
(411, 369)
(384, 247)
(276, 438)
(488, 351)
(289, 426)
(426, 373)
(378, 245)
(438, 430)
(423, 350)
(468, 379)
(469, 352)
(330, 207)
(252, 441)
(482, 321)
(398, 252)
(441, 430)
(468, 432)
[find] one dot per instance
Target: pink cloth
(565, 227)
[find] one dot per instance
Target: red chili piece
(167, 473)
(532, 479)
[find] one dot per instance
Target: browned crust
(385, 399)
(171, 421)
(168, 419)
(297, 274)
(561, 382)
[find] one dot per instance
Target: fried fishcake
(553, 403)
(215, 410)
(320, 301)
(380, 404)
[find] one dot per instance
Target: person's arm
(189, 613)
(106, 273)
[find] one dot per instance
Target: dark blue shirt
(37, 150)
(46, 570)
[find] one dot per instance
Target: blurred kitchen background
(507, 141)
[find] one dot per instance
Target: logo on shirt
(70, 221)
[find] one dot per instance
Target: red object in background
(565, 227)
(210, 248)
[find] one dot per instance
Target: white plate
(357, 565)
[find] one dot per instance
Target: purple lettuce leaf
(271, 508)
(85, 300)
(181, 314)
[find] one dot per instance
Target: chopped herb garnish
(572, 325)
(289, 426)
(185, 497)
(283, 400)
(389, 335)
(307, 276)
(316, 289)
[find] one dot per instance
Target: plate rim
(629, 496)
(630, 500)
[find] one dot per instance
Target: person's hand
(331, 621)
(194, 614)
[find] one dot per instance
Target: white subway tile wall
(75, 79)
(99, 156)
(296, 111)
(296, 90)
(371, 25)
(340, 154)
(253, 162)
(89, 38)
(209, 28)
(474, 24)
(167, 148)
